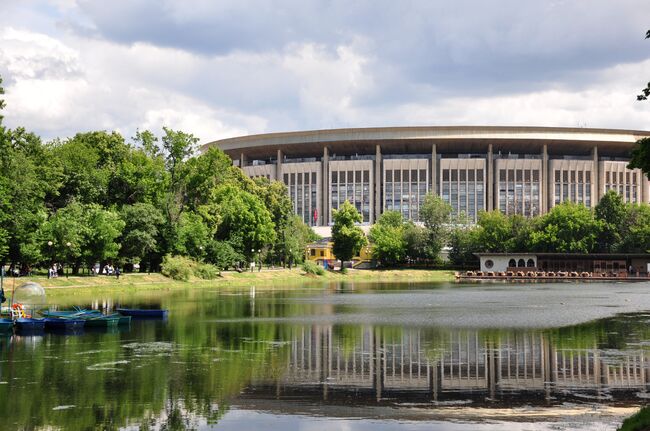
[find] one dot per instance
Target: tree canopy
(348, 238)
(388, 240)
(95, 197)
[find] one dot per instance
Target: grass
(279, 278)
(640, 421)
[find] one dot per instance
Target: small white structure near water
(501, 262)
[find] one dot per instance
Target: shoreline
(271, 279)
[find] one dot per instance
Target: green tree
(26, 178)
(635, 229)
(463, 243)
(494, 232)
(611, 212)
(177, 147)
(240, 218)
(205, 172)
(567, 228)
(193, 235)
(435, 213)
(276, 198)
(89, 163)
(348, 238)
(640, 157)
(416, 238)
(102, 230)
(222, 254)
(387, 239)
(140, 235)
(139, 177)
(65, 230)
(296, 236)
(520, 230)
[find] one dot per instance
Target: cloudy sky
(221, 68)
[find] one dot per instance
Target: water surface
(352, 356)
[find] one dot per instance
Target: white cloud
(428, 68)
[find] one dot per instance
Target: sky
(226, 68)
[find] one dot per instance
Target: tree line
(96, 197)
(612, 226)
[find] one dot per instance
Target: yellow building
(321, 252)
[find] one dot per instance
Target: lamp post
(259, 259)
(253, 258)
(69, 245)
(49, 248)
(201, 253)
(290, 259)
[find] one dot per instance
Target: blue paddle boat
(30, 324)
(6, 325)
(63, 323)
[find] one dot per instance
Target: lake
(355, 356)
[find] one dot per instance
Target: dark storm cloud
(454, 46)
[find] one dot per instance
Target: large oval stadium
(517, 170)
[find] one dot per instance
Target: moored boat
(101, 321)
(29, 324)
(6, 325)
(143, 313)
(63, 323)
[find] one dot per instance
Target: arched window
(521, 263)
(512, 263)
(530, 263)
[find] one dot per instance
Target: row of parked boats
(75, 319)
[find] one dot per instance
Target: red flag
(315, 215)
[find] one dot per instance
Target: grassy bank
(267, 278)
(639, 421)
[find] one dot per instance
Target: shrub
(177, 267)
(637, 422)
(223, 255)
(311, 268)
(206, 271)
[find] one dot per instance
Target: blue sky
(226, 68)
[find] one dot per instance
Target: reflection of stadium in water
(385, 365)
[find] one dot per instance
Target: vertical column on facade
(278, 166)
(595, 181)
(242, 160)
(645, 188)
(378, 183)
(490, 184)
(434, 169)
(545, 180)
(324, 215)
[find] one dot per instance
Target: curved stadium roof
(448, 139)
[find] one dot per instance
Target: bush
(637, 422)
(311, 268)
(223, 255)
(177, 267)
(206, 271)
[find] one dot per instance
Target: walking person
(117, 272)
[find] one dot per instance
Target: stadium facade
(517, 170)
